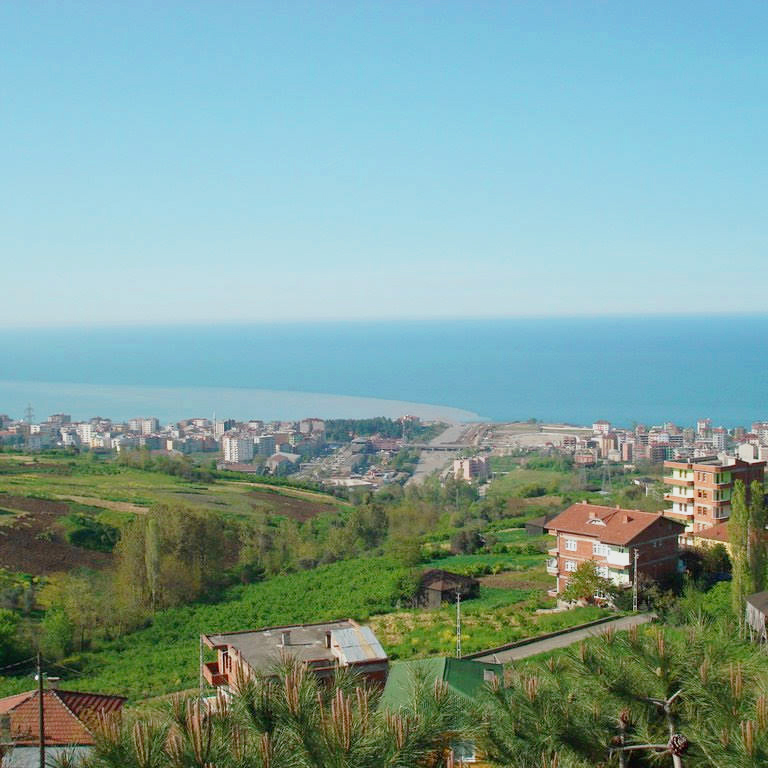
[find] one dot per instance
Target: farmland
(39, 498)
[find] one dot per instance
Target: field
(164, 657)
(39, 498)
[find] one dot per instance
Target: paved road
(430, 461)
(566, 639)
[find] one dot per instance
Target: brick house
(323, 648)
(609, 536)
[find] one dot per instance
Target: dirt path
(95, 501)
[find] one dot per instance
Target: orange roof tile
(66, 715)
(611, 525)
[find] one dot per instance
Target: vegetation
(289, 720)
(344, 430)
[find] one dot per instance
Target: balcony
(212, 675)
(552, 567)
(618, 559)
(674, 497)
(678, 481)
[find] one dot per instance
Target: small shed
(438, 586)
(537, 526)
(756, 612)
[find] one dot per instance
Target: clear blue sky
(179, 162)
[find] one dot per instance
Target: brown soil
(515, 580)
(296, 508)
(21, 550)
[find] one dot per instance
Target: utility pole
(458, 623)
(40, 711)
(634, 581)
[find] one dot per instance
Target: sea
(568, 370)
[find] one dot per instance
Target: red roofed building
(69, 717)
(609, 536)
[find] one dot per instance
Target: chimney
(285, 638)
(327, 639)
(53, 683)
(625, 519)
(592, 514)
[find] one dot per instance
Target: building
(465, 677)
(323, 648)
(537, 526)
(237, 448)
(700, 490)
(437, 587)
(476, 468)
(601, 427)
(264, 445)
(610, 536)
(282, 463)
(68, 717)
(756, 612)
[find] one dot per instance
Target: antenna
(458, 623)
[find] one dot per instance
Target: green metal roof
(463, 676)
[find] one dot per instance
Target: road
(434, 461)
(564, 640)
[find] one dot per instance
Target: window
(599, 549)
(464, 752)
(489, 676)
(571, 545)
(602, 570)
(570, 565)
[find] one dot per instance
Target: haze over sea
(625, 369)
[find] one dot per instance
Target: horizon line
(124, 324)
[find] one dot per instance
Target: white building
(601, 427)
(237, 448)
(475, 468)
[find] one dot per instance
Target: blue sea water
(625, 369)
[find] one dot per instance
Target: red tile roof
(610, 525)
(67, 714)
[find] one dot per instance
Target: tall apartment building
(474, 468)
(701, 489)
(237, 448)
(145, 426)
(609, 536)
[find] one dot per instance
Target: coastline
(171, 404)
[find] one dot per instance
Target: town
(598, 525)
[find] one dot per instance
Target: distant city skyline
(208, 162)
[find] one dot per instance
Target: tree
(738, 534)
(9, 624)
(756, 538)
(586, 582)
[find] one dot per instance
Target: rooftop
(261, 649)
(611, 525)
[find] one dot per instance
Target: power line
(18, 664)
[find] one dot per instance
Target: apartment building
(237, 448)
(610, 536)
(700, 490)
(475, 468)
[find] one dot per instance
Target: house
(438, 586)
(282, 463)
(69, 717)
(537, 526)
(756, 613)
(610, 536)
(465, 677)
(323, 648)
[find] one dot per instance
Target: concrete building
(476, 468)
(601, 427)
(609, 536)
(322, 648)
(237, 448)
(700, 490)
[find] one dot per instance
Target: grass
(164, 656)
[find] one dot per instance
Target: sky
(223, 161)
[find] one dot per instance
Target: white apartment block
(237, 448)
